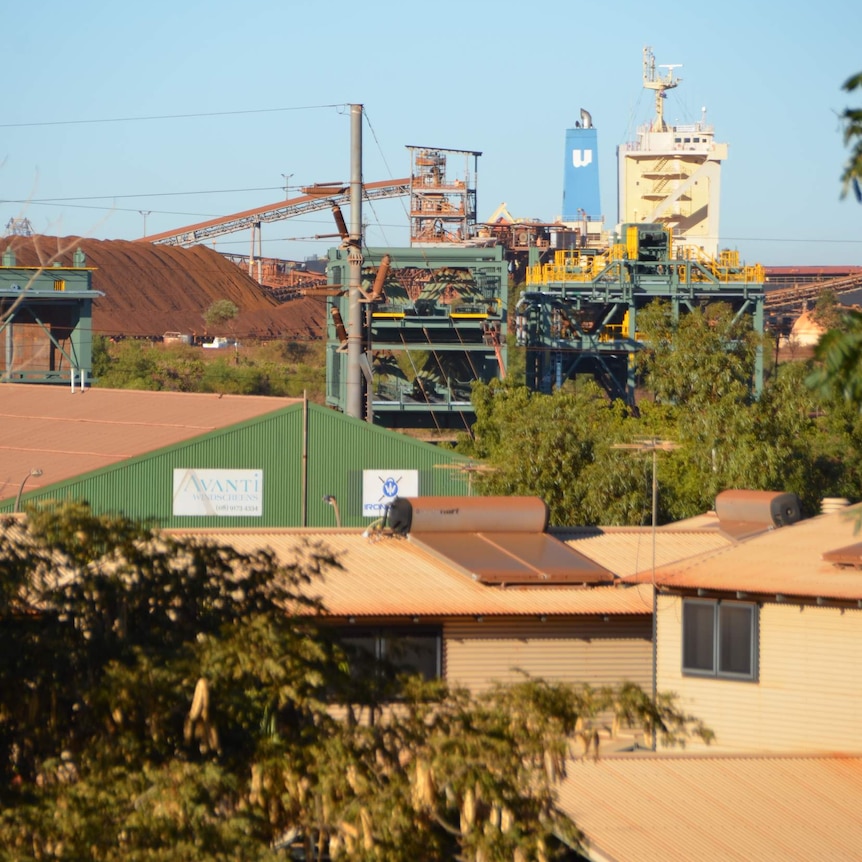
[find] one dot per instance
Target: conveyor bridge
(320, 197)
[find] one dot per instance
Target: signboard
(381, 487)
(224, 493)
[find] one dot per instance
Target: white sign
(381, 487)
(225, 493)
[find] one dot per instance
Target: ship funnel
(586, 119)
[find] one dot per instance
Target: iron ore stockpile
(150, 289)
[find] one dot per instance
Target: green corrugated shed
(303, 453)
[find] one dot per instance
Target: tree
(828, 311)
(701, 358)
(165, 698)
(219, 314)
(839, 354)
(113, 631)
(839, 351)
(697, 385)
(852, 118)
(558, 447)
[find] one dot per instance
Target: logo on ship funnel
(582, 158)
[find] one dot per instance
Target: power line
(147, 195)
(795, 240)
(110, 208)
(162, 117)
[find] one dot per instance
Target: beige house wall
(585, 649)
(808, 696)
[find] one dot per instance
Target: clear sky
(193, 110)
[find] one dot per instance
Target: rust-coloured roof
(626, 551)
(65, 434)
(394, 576)
(786, 561)
(660, 808)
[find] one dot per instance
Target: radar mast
(660, 83)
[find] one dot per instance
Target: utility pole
(354, 257)
(145, 213)
(654, 445)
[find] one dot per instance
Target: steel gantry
(578, 311)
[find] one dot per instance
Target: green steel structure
(434, 321)
(578, 311)
(46, 331)
(310, 466)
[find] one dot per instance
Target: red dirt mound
(152, 289)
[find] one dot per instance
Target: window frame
(382, 636)
(753, 675)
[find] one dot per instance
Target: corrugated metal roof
(785, 561)
(625, 551)
(395, 577)
(660, 808)
(67, 434)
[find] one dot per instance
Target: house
(474, 590)
(485, 593)
(758, 632)
(762, 639)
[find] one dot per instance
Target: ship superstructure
(671, 174)
(578, 312)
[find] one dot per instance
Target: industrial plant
(409, 330)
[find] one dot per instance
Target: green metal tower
(434, 320)
(46, 333)
(578, 312)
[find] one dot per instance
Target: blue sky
(192, 110)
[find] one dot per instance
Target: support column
(354, 256)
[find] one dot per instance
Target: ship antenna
(660, 83)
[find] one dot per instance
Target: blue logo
(390, 487)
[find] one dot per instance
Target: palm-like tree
(852, 176)
(839, 353)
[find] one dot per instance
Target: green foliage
(839, 354)
(516, 357)
(114, 632)
(704, 357)
(852, 118)
(828, 312)
(282, 369)
(698, 395)
(557, 447)
(164, 698)
(219, 314)
(130, 364)
(101, 357)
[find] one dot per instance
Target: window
(413, 650)
(719, 639)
